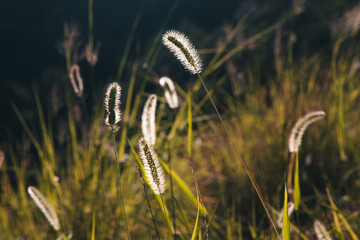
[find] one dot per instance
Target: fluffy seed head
(170, 92)
(320, 230)
(291, 207)
(148, 120)
(183, 50)
(112, 106)
(299, 128)
(76, 80)
(153, 170)
(44, 205)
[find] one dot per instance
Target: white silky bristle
(320, 231)
(112, 105)
(76, 80)
(153, 170)
(183, 50)
(299, 128)
(46, 208)
(148, 120)
(170, 92)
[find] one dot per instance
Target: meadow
(218, 163)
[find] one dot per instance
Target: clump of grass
(186, 53)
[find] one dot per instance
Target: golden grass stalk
(148, 120)
(299, 128)
(320, 231)
(183, 50)
(153, 170)
(46, 208)
(76, 80)
(170, 92)
(112, 106)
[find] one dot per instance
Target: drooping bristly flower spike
(320, 231)
(76, 80)
(46, 208)
(299, 128)
(148, 120)
(170, 92)
(153, 170)
(112, 106)
(183, 50)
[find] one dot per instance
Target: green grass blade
(183, 214)
(93, 227)
(183, 186)
(297, 183)
(127, 46)
(127, 112)
(286, 221)
(196, 227)
(190, 132)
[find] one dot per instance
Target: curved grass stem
(121, 191)
(147, 200)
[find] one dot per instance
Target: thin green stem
(121, 191)
(172, 194)
(165, 212)
(147, 200)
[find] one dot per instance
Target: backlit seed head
(153, 170)
(320, 231)
(76, 80)
(46, 208)
(112, 106)
(170, 92)
(183, 50)
(299, 128)
(148, 120)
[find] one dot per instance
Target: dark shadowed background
(30, 31)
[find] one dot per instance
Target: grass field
(90, 174)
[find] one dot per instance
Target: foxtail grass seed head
(148, 120)
(170, 92)
(112, 106)
(183, 50)
(92, 54)
(291, 207)
(153, 170)
(320, 231)
(76, 80)
(44, 205)
(299, 128)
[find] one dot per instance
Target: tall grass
(79, 180)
